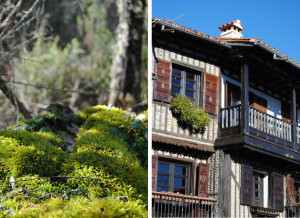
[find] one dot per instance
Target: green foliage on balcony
(189, 117)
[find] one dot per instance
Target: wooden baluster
(286, 131)
(268, 124)
(254, 118)
(227, 119)
(258, 120)
(277, 128)
(230, 115)
(298, 131)
(265, 124)
(272, 126)
(235, 116)
(283, 130)
(261, 125)
(290, 131)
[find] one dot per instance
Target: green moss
(57, 207)
(30, 153)
(106, 149)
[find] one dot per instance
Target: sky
(275, 22)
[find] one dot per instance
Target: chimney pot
(232, 30)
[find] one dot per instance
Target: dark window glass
(162, 189)
(176, 72)
(180, 170)
(163, 168)
(190, 85)
(175, 90)
(173, 177)
(176, 81)
(189, 94)
(258, 188)
(179, 181)
(161, 179)
(190, 75)
(184, 82)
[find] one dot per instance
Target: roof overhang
(190, 33)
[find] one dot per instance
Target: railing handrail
(184, 196)
(230, 107)
(269, 115)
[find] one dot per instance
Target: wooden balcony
(165, 124)
(165, 204)
(264, 131)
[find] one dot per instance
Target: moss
(104, 150)
(57, 207)
(30, 153)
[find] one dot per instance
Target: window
(186, 82)
(233, 95)
(172, 177)
(258, 102)
(261, 189)
(258, 188)
(175, 79)
(176, 176)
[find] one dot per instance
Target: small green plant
(195, 119)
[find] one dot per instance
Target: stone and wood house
(247, 161)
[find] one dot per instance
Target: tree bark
(125, 87)
(14, 100)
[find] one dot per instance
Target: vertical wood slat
(166, 117)
(235, 116)
(268, 126)
(230, 117)
(160, 115)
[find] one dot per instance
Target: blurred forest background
(69, 51)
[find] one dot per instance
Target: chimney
(232, 30)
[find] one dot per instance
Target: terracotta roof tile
(224, 40)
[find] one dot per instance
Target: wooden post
(245, 98)
(294, 121)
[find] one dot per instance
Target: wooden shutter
(203, 180)
(162, 89)
(211, 93)
(278, 192)
(247, 185)
(290, 189)
(154, 172)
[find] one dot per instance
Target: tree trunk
(126, 69)
(14, 100)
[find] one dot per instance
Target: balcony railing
(292, 211)
(166, 204)
(164, 122)
(268, 126)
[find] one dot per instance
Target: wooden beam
(245, 98)
(294, 115)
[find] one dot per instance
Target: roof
(235, 23)
(231, 41)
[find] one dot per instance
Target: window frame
(198, 82)
(188, 177)
(258, 201)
